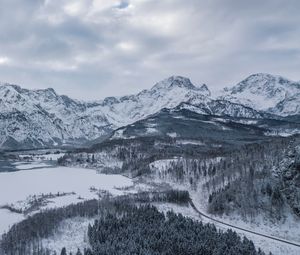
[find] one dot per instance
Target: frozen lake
(38, 177)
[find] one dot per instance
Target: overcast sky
(90, 49)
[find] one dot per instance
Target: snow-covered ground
(187, 211)
(17, 187)
(187, 141)
(287, 231)
(25, 166)
(71, 234)
(265, 244)
(8, 218)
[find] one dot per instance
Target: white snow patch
(283, 133)
(150, 130)
(173, 135)
(25, 166)
(192, 142)
(119, 134)
(7, 219)
(71, 234)
(247, 122)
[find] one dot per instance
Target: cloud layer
(96, 48)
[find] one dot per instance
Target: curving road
(239, 228)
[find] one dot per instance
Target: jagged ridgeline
(121, 227)
(42, 118)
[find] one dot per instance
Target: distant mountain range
(42, 118)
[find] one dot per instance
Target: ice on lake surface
(17, 186)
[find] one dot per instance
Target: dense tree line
(145, 230)
(24, 238)
(267, 183)
(290, 176)
(218, 171)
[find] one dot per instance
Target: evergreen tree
(63, 251)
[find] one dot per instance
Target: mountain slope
(266, 92)
(191, 122)
(38, 118)
(165, 94)
(184, 125)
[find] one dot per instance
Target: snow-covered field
(17, 187)
(71, 234)
(8, 218)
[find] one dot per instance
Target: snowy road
(242, 229)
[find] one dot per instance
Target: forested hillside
(244, 177)
(121, 227)
(267, 186)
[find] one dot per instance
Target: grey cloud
(96, 48)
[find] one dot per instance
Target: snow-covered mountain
(168, 93)
(37, 118)
(165, 94)
(266, 92)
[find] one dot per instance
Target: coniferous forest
(145, 230)
(128, 225)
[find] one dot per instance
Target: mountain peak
(174, 81)
(9, 86)
(49, 91)
(205, 90)
(19, 89)
(266, 92)
(262, 82)
(10, 90)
